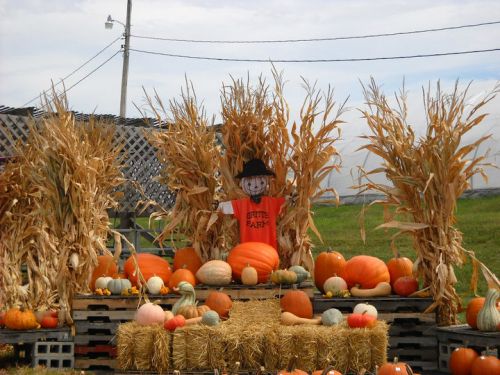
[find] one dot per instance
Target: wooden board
(389, 304)
(95, 363)
(9, 336)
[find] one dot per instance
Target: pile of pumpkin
(249, 263)
(24, 319)
(363, 276)
(466, 361)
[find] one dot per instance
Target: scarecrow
(256, 214)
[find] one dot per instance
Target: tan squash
(215, 272)
(249, 276)
(382, 289)
(192, 321)
(289, 319)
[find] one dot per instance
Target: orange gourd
(485, 365)
(263, 257)
(219, 302)
(182, 274)
(298, 303)
(187, 258)
(399, 267)
(365, 271)
(106, 266)
(328, 264)
(461, 360)
(16, 318)
(394, 368)
(150, 265)
(473, 307)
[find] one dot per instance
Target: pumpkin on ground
(405, 285)
(291, 368)
(327, 371)
(249, 276)
(187, 258)
(365, 270)
(298, 303)
(16, 318)
(263, 257)
(149, 313)
(461, 361)
(106, 266)
(149, 265)
(395, 368)
(486, 365)
(215, 273)
(398, 267)
(328, 263)
(220, 303)
(182, 274)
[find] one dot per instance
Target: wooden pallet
(389, 304)
(85, 363)
(10, 336)
(95, 351)
(463, 335)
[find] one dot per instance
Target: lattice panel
(140, 162)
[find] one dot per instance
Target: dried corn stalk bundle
(189, 154)
(428, 175)
(311, 162)
(53, 209)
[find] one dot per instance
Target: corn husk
(428, 175)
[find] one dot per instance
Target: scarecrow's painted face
(254, 185)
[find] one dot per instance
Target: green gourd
(301, 272)
(210, 318)
(488, 317)
(284, 277)
(188, 296)
(116, 286)
(331, 317)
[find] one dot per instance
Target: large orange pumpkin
(461, 360)
(106, 266)
(399, 267)
(219, 302)
(182, 274)
(16, 318)
(365, 270)
(150, 265)
(188, 258)
(473, 307)
(328, 263)
(298, 303)
(263, 257)
(485, 365)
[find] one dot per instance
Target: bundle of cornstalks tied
(428, 175)
(186, 146)
(255, 125)
(54, 199)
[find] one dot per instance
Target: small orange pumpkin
(16, 318)
(327, 371)
(328, 264)
(395, 368)
(219, 302)
(365, 270)
(182, 274)
(399, 267)
(298, 303)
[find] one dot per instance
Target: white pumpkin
(365, 308)
(215, 272)
(102, 282)
(154, 284)
(334, 284)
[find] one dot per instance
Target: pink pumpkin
(149, 313)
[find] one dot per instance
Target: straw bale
(255, 312)
(332, 348)
(161, 352)
(125, 346)
(144, 348)
(379, 338)
(179, 349)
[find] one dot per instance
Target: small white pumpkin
(210, 318)
(102, 282)
(154, 284)
(334, 285)
(365, 308)
(331, 317)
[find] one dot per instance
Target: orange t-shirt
(258, 220)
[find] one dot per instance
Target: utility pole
(126, 48)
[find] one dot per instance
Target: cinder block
(53, 348)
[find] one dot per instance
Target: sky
(44, 41)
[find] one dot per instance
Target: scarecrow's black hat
(255, 167)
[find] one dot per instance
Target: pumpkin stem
(395, 360)
(408, 369)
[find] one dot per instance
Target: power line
(92, 72)
(366, 36)
(74, 71)
(316, 60)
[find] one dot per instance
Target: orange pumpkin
(219, 302)
(399, 267)
(327, 371)
(365, 271)
(16, 318)
(461, 360)
(182, 274)
(485, 365)
(150, 265)
(394, 368)
(328, 263)
(106, 266)
(473, 307)
(187, 258)
(298, 303)
(291, 368)
(263, 257)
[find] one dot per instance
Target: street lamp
(109, 25)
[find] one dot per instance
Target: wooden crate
(259, 291)
(412, 336)
(452, 337)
